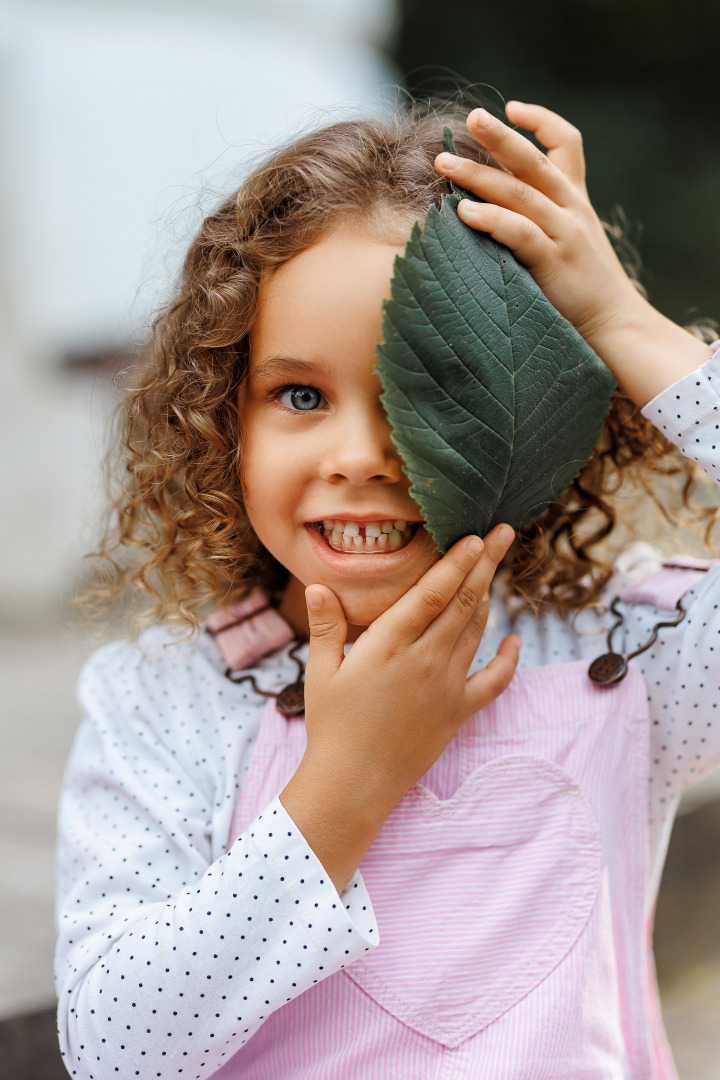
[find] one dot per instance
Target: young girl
(442, 867)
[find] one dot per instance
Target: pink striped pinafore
(509, 887)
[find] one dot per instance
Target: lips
(364, 562)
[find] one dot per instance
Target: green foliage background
(640, 78)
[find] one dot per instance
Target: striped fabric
(663, 589)
(509, 888)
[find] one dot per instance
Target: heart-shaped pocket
(478, 898)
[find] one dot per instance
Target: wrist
(341, 788)
(339, 815)
(646, 351)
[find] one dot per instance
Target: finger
(473, 592)
(469, 639)
(409, 616)
(471, 635)
(562, 139)
(485, 686)
(502, 189)
(516, 153)
(525, 239)
(328, 631)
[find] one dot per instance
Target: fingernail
(314, 599)
(481, 118)
(475, 546)
(506, 534)
(448, 162)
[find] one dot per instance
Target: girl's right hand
(537, 205)
(382, 715)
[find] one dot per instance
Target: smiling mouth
(367, 537)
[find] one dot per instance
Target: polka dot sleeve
(688, 413)
(682, 669)
(682, 672)
(170, 955)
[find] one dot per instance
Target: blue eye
(302, 398)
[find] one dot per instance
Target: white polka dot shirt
(172, 953)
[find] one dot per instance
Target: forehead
(327, 297)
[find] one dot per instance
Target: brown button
(291, 700)
(608, 669)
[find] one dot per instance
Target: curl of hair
(177, 541)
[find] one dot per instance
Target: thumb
(328, 630)
(485, 686)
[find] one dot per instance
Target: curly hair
(177, 539)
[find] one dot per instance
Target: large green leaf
(495, 401)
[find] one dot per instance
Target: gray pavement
(39, 717)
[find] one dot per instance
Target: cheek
(272, 480)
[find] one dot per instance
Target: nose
(359, 448)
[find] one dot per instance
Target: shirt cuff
(343, 926)
(691, 401)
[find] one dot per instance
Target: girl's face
(316, 441)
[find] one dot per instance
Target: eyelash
(277, 393)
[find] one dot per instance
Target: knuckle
(574, 135)
(432, 599)
(495, 551)
(427, 668)
(499, 678)
(467, 598)
(528, 231)
(521, 192)
(393, 651)
(576, 226)
(541, 161)
(480, 612)
(575, 237)
(323, 630)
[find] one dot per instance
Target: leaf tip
(449, 141)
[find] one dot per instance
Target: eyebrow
(283, 365)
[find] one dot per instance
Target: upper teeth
(372, 528)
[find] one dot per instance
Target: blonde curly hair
(177, 539)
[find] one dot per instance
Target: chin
(361, 610)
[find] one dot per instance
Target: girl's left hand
(541, 210)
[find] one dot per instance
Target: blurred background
(121, 123)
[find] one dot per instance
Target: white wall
(118, 123)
